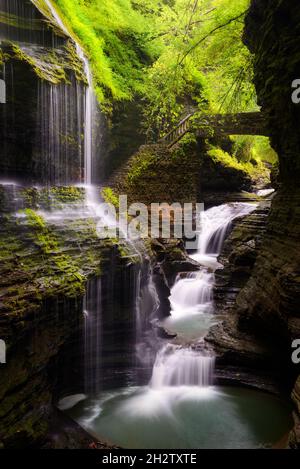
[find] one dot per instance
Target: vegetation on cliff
(164, 51)
(173, 57)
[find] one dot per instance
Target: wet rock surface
(294, 439)
(268, 305)
(44, 266)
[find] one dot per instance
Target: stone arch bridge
(214, 125)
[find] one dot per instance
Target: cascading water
(92, 310)
(215, 223)
(89, 109)
(176, 366)
(192, 295)
(59, 115)
(146, 306)
(44, 101)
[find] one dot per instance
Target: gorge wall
(268, 306)
(271, 32)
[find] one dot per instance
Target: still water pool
(187, 417)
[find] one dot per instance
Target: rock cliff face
(271, 33)
(268, 305)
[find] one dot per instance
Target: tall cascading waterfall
(89, 101)
(192, 302)
(92, 307)
(145, 298)
(88, 108)
(45, 100)
(59, 115)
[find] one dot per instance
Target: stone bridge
(205, 126)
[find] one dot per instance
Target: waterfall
(194, 294)
(176, 366)
(147, 304)
(192, 307)
(92, 310)
(59, 115)
(89, 103)
(46, 101)
(215, 223)
(25, 24)
(191, 291)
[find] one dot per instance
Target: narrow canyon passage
(139, 342)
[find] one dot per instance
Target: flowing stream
(192, 295)
(181, 407)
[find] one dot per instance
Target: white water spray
(177, 366)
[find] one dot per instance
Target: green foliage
(113, 33)
(253, 170)
(110, 196)
(203, 63)
(255, 149)
(178, 55)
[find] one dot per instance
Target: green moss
(225, 159)
(74, 61)
(46, 66)
(52, 65)
(64, 273)
(110, 196)
(143, 163)
(53, 197)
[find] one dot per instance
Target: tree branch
(209, 34)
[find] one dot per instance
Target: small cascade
(215, 224)
(176, 366)
(192, 291)
(92, 310)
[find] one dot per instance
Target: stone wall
(270, 302)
